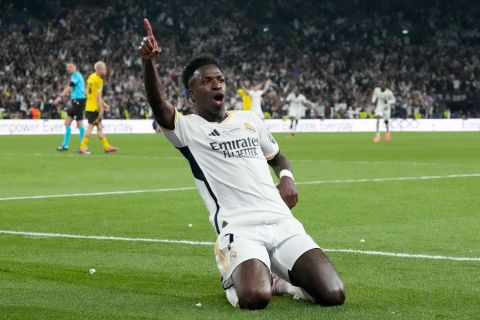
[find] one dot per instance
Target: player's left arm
(283, 170)
(279, 163)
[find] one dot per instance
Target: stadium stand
(334, 51)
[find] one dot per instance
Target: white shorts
(278, 245)
(297, 112)
(383, 112)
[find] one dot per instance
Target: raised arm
(286, 186)
(266, 85)
(162, 109)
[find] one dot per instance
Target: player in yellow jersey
(246, 100)
(95, 108)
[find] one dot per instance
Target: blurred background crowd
(335, 52)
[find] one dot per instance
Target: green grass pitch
(48, 278)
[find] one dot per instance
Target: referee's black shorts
(93, 117)
(76, 109)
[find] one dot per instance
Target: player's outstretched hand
(288, 192)
(148, 47)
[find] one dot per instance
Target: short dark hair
(194, 64)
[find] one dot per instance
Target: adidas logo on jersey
(214, 133)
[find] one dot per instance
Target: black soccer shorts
(76, 109)
(93, 117)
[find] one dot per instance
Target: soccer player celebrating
(384, 99)
(256, 93)
(229, 154)
(95, 108)
(76, 90)
(296, 108)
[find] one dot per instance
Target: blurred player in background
(76, 90)
(246, 99)
(95, 109)
(383, 98)
(256, 94)
(229, 154)
(296, 108)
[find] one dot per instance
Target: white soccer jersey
(256, 97)
(383, 98)
(229, 163)
(296, 108)
(384, 101)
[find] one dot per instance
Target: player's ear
(191, 95)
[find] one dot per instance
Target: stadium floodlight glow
(405, 31)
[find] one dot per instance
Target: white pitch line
(74, 154)
(122, 156)
(207, 243)
(451, 176)
(96, 193)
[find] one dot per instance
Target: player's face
(208, 89)
(102, 71)
(70, 68)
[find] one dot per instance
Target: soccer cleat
(111, 149)
(387, 137)
(279, 286)
(377, 138)
(83, 151)
(62, 148)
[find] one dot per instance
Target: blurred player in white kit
(383, 99)
(296, 108)
(256, 95)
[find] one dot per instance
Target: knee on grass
(330, 297)
(254, 298)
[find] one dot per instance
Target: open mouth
(219, 98)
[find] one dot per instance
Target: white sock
(284, 286)
(299, 293)
(232, 296)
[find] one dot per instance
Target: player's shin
(84, 143)
(82, 132)
(104, 143)
(66, 137)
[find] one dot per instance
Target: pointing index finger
(148, 27)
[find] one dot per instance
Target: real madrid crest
(250, 128)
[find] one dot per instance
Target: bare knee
(254, 298)
(330, 297)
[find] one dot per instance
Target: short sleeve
(73, 80)
(267, 142)
(179, 135)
